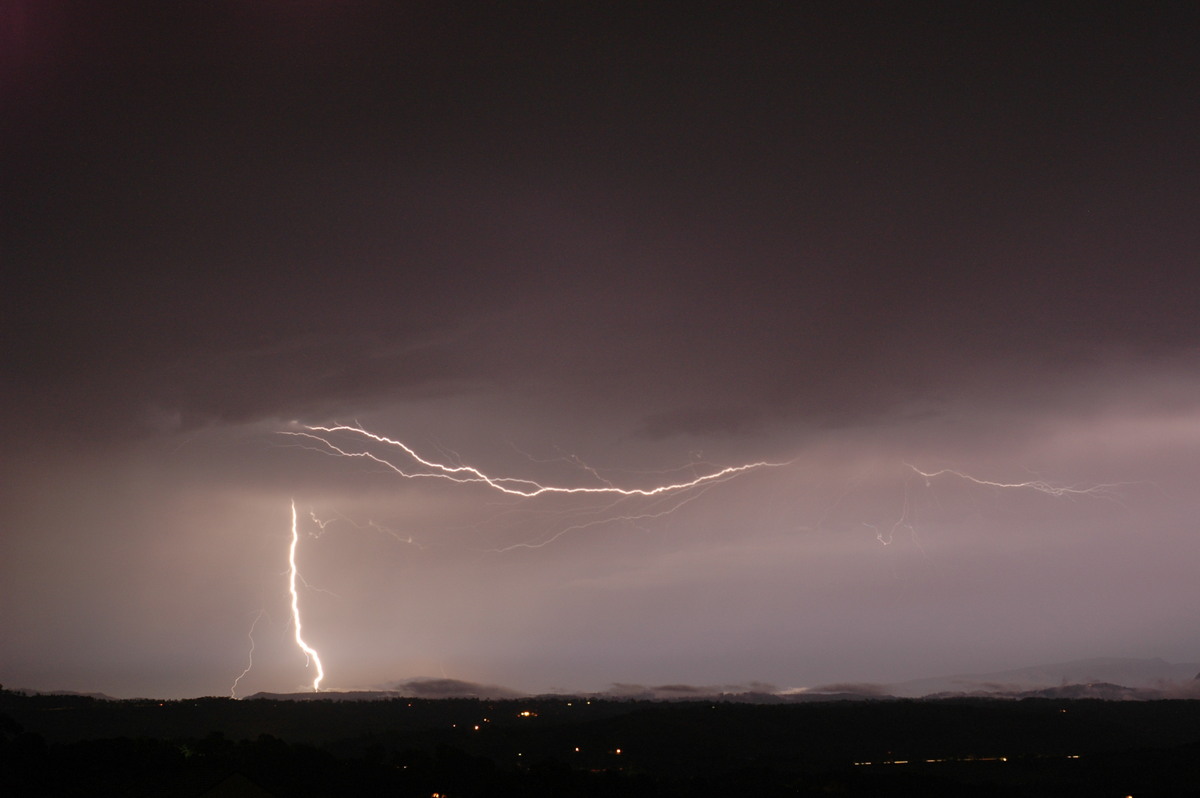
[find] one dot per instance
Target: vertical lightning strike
(310, 653)
(250, 663)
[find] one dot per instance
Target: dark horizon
(1103, 678)
(620, 748)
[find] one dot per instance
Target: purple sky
(593, 242)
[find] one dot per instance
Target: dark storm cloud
(699, 421)
(230, 213)
(178, 211)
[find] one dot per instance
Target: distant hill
(328, 695)
(1108, 678)
(414, 688)
(1142, 674)
(97, 696)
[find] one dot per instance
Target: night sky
(596, 244)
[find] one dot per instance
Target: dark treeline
(70, 745)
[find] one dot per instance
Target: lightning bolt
(513, 486)
(629, 519)
(902, 522)
(250, 663)
(418, 466)
(323, 523)
(1039, 485)
(669, 493)
(310, 653)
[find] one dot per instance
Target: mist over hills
(1148, 675)
(1106, 678)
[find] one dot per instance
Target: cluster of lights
(948, 759)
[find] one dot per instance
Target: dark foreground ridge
(556, 746)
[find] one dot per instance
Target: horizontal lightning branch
(513, 486)
(1039, 485)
